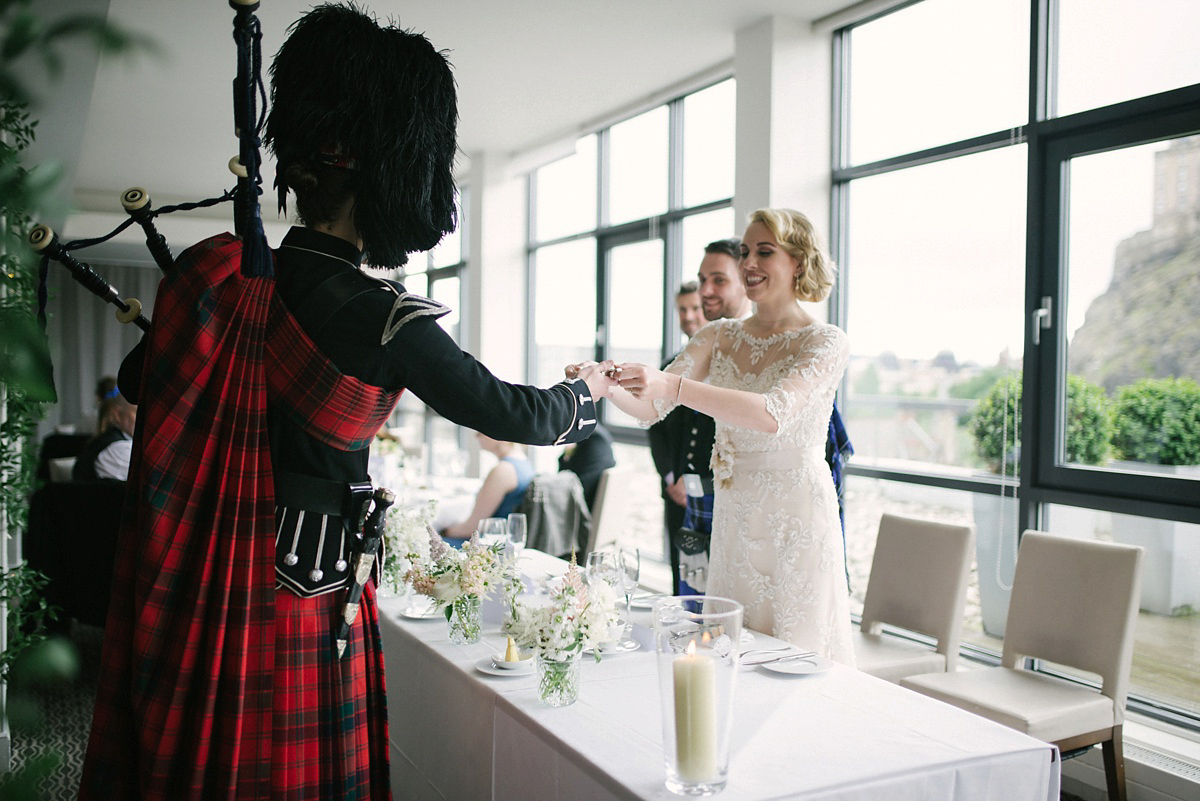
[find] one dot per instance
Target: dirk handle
(362, 564)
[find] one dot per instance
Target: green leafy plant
(996, 422)
(1157, 421)
(22, 589)
(25, 371)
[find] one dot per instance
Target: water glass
(696, 642)
(518, 528)
(493, 530)
(602, 566)
(630, 571)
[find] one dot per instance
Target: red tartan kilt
(330, 715)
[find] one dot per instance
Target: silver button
(340, 565)
(692, 443)
(689, 456)
(291, 559)
(316, 574)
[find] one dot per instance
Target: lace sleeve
(817, 366)
(692, 362)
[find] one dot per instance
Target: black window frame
(1051, 142)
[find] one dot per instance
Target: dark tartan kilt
(330, 732)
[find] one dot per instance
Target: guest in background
(89, 419)
(588, 459)
(106, 455)
(687, 306)
(681, 443)
(502, 491)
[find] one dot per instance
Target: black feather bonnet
(381, 100)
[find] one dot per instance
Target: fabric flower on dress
(722, 459)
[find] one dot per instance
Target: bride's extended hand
(646, 383)
(598, 377)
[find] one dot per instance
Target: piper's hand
(573, 370)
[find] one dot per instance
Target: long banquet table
(460, 735)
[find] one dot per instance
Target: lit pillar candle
(695, 716)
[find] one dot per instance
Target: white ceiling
(528, 72)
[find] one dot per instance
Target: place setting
(509, 663)
(786, 660)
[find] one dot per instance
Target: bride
(769, 382)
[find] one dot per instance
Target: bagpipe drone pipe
(249, 104)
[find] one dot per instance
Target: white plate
(623, 647)
(422, 613)
(644, 601)
(522, 666)
(485, 666)
(799, 667)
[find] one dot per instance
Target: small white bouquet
(457, 580)
(577, 617)
(405, 541)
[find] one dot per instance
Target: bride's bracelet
(678, 390)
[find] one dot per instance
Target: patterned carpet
(66, 718)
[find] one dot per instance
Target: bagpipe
(249, 110)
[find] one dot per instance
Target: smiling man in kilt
(258, 397)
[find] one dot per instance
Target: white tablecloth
(460, 735)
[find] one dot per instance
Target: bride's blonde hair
(795, 234)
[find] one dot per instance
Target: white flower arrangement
(446, 574)
(405, 541)
(577, 617)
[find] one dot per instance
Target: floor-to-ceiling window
(1017, 216)
(614, 229)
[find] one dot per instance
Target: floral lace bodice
(796, 372)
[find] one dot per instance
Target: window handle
(1041, 318)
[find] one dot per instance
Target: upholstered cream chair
(1074, 603)
(614, 507)
(918, 582)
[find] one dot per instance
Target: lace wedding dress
(777, 540)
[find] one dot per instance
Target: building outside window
(1020, 250)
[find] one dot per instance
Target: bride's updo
(795, 234)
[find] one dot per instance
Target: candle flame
(691, 649)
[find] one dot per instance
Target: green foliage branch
(996, 421)
(1157, 421)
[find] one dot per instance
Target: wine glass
(630, 570)
(493, 530)
(602, 565)
(517, 532)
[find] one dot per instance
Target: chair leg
(1114, 765)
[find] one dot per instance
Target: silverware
(767, 650)
(782, 658)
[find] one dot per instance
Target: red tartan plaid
(330, 715)
(336, 410)
(186, 708)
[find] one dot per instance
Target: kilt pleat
(330, 732)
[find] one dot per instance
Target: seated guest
(588, 459)
(502, 490)
(106, 455)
